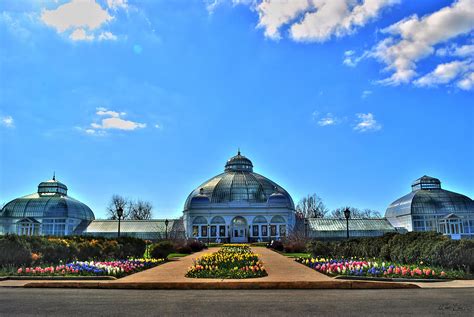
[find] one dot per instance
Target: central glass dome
(239, 183)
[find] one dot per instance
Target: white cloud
(104, 36)
(76, 14)
(158, 126)
(7, 121)
(351, 59)
(455, 50)
(117, 4)
(348, 60)
(367, 123)
(81, 35)
(19, 24)
(366, 93)
(274, 14)
(80, 18)
(444, 73)
(121, 124)
(324, 120)
(414, 38)
(317, 20)
(112, 120)
(467, 83)
(104, 112)
(212, 5)
(327, 120)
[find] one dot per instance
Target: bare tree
(115, 203)
(140, 210)
(311, 206)
(355, 213)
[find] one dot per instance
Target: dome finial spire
(54, 175)
(238, 151)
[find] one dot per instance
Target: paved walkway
(279, 268)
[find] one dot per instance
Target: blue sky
(351, 100)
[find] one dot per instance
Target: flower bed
(373, 268)
(105, 268)
(232, 261)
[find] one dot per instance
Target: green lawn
(177, 255)
(297, 255)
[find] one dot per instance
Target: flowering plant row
(79, 268)
(373, 268)
(231, 261)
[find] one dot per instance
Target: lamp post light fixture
(208, 234)
(167, 222)
(119, 215)
(347, 214)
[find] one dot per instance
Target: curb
(58, 278)
(390, 279)
(227, 285)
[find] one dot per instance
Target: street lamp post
(347, 214)
(208, 234)
(167, 222)
(119, 215)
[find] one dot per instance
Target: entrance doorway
(239, 230)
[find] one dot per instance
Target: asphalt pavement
(90, 302)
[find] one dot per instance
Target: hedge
(24, 250)
(430, 248)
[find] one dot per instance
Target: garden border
(58, 278)
(391, 279)
(226, 285)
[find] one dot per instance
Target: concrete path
(279, 268)
(173, 271)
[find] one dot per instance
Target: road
(85, 302)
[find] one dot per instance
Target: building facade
(336, 229)
(238, 205)
(49, 211)
(153, 229)
(430, 208)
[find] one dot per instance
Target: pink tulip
(20, 270)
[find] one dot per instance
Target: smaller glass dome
(239, 163)
(200, 199)
(428, 198)
(51, 201)
(52, 187)
(426, 182)
(277, 198)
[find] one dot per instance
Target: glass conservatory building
(430, 208)
(238, 205)
(50, 211)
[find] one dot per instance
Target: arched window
(259, 219)
(239, 221)
(217, 220)
(200, 221)
(277, 219)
